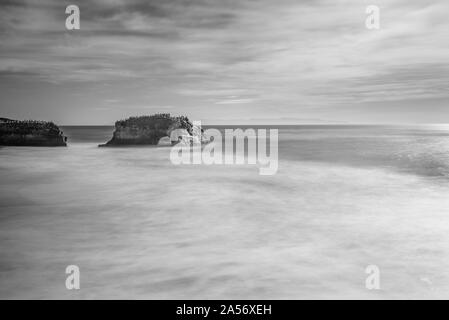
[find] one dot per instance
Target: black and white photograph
(224, 150)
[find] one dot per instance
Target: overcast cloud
(216, 60)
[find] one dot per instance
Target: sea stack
(30, 133)
(150, 130)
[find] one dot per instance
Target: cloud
(235, 101)
(272, 56)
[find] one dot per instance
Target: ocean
(137, 226)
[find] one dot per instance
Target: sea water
(137, 226)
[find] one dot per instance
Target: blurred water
(344, 197)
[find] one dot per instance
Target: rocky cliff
(30, 133)
(147, 130)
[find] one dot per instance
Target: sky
(226, 61)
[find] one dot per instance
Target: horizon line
(282, 125)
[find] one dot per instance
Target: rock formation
(30, 133)
(160, 129)
(147, 130)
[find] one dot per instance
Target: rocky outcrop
(159, 129)
(30, 133)
(147, 130)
